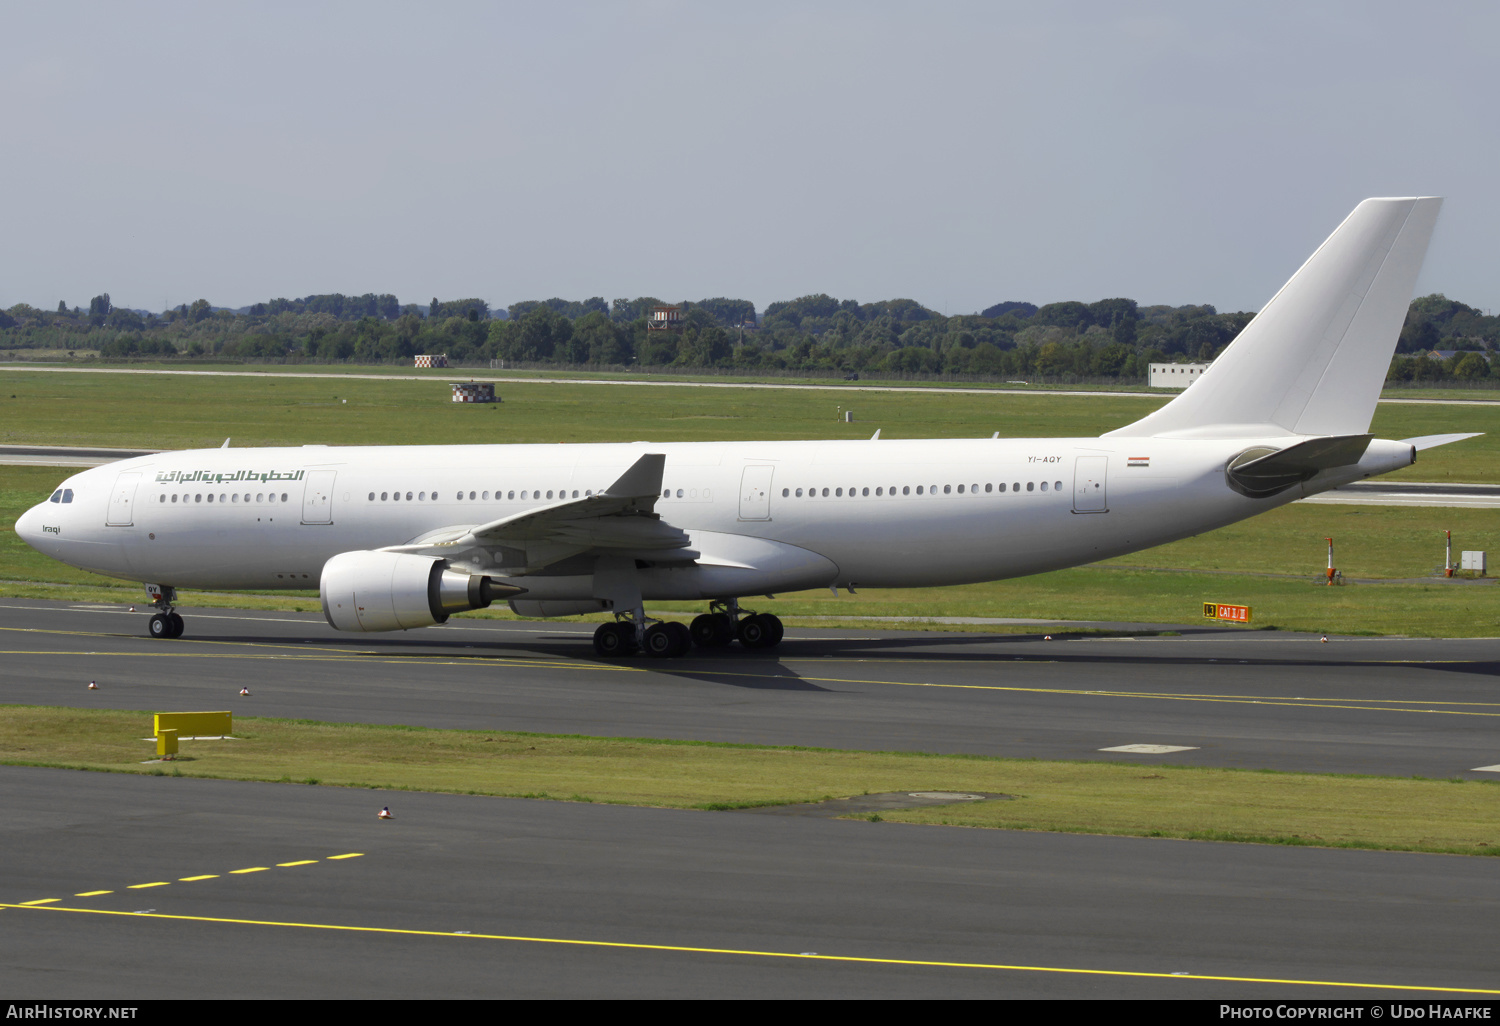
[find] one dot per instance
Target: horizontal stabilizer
(1433, 441)
(1260, 471)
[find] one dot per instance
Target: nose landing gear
(166, 623)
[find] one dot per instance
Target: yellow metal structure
(166, 743)
(196, 724)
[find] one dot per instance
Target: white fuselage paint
(248, 536)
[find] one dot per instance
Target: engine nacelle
(396, 591)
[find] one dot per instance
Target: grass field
(176, 412)
(1105, 798)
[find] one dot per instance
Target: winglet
(642, 479)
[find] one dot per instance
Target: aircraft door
(317, 497)
(122, 501)
(1090, 494)
(755, 493)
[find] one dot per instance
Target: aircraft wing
(620, 519)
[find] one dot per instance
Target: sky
(955, 153)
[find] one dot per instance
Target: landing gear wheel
(614, 639)
(160, 626)
(713, 630)
(177, 625)
(754, 632)
(684, 637)
(665, 640)
(774, 630)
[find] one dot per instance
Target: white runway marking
(1151, 749)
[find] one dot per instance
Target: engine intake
(397, 591)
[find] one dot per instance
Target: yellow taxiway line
(745, 953)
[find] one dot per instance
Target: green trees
(1110, 339)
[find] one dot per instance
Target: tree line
(1110, 340)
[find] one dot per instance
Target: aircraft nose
(29, 526)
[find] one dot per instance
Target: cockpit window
(56, 496)
(67, 495)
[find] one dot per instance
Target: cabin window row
(232, 497)
(477, 496)
(973, 489)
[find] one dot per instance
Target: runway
(1231, 697)
(121, 886)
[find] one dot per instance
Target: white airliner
(397, 537)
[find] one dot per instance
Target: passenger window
(174, 498)
(948, 489)
(825, 493)
(198, 498)
(512, 494)
(486, 496)
(785, 492)
(1016, 487)
(879, 492)
(919, 489)
(1044, 486)
(679, 493)
(839, 492)
(906, 490)
(799, 493)
(408, 496)
(865, 491)
(1057, 485)
(1031, 486)
(163, 496)
(990, 487)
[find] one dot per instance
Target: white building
(1176, 375)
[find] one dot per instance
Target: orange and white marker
(245, 691)
(385, 813)
(93, 686)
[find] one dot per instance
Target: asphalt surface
(1232, 697)
(156, 887)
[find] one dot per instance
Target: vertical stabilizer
(1313, 361)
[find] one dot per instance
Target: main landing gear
(721, 625)
(166, 623)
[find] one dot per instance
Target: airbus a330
(400, 537)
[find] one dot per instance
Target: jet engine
(396, 591)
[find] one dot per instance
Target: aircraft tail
(1313, 361)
